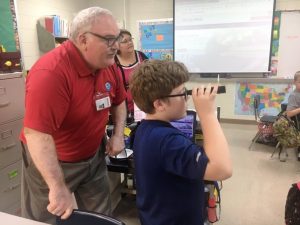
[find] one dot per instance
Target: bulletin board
(156, 38)
(8, 26)
(289, 45)
(10, 55)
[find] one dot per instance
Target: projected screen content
(185, 125)
(223, 36)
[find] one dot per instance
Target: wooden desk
(8, 219)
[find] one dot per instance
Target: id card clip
(102, 101)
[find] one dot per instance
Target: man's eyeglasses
(186, 93)
(110, 41)
(125, 41)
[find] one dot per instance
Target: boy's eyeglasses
(109, 41)
(186, 93)
(125, 41)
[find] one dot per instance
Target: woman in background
(128, 59)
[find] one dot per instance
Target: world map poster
(271, 97)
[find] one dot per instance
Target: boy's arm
(292, 107)
(219, 166)
(294, 112)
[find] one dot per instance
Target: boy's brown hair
(297, 76)
(153, 80)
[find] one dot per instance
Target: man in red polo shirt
(69, 94)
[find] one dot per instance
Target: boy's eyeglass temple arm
(189, 92)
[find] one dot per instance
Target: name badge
(102, 101)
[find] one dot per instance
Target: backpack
(292, 205)
(285, 131)
(266, 130)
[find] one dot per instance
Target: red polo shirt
(60, 101)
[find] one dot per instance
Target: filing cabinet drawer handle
(4, 148)
(12, 188)
(4, 103)
(3, 96)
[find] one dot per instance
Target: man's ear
(159, 105)
(82, 41)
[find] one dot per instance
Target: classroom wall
(288, 5)
(145, 10)
(135, 10)
(29, 11)
(127, 13)
(118, 7)
(142, 10)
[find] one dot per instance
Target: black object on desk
(128, 170)
(120, 167)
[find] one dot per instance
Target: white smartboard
(223, 36)
(289, 45)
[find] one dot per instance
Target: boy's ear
(159, 105)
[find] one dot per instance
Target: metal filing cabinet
(11, 120)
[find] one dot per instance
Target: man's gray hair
(85, 19)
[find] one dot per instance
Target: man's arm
(293, 107)
(42, 150)
(116, 142)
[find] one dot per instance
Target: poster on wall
(9, 39)
(275, 42)
(10, 56)
(156, 38)
(271, 97)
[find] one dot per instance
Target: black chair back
(296, 118)
(256, 103)
(79, 217)
(283, 107)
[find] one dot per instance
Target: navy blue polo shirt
(169, 171)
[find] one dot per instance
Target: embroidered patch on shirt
(107, 86)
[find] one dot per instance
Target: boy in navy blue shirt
(169, 168)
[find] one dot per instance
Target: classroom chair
(80, 217)
(265, 122)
